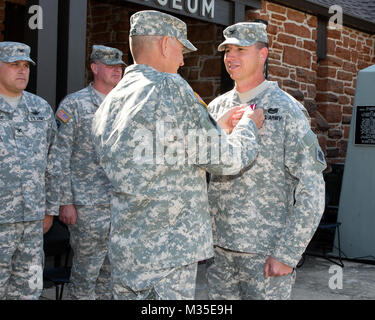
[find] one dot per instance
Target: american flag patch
(63, 116)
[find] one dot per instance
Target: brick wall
(202, 68)
(2, 17)
(108, 24)
(2, 14)
(326, 87)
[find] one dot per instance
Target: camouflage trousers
(90, 276)
(167, 284)
(240, 276)
(21, 260)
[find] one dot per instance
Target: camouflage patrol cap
(107, 55)
(14, 51)
(244, 34)
(155, 23)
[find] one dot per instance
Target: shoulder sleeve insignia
(63, 116)
(200, 99)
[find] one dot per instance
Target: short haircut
(260, 45)
(140, 43)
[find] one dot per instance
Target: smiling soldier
(265, 216)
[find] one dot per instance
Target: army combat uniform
(271, 208)
(160, 224)
(28, 190)
(85, 185)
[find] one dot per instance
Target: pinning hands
(256, 115)
(229, 120)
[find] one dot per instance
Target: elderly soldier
(27, 202)
(85, 189)
(160, 220)
(265, 216)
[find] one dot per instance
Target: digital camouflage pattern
(107, 55)
(254, 211)
(84, 182)
(244, 34)
(240, 276)
(21, 260)
(14, 51)
(28, 163)
(29, 172)
(155, 23)
(160, 216)
(168, 284)
(91, 273)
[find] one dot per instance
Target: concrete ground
(315, 282)
(317, 279)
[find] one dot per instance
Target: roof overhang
(318, 10)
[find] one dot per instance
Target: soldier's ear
(164, 42)
(94, 68)
(264, 54)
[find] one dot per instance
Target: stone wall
(325, 87)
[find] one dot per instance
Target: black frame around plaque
(362, 113)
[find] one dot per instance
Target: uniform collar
(6, 107)
(95, 99)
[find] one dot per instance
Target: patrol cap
(14, 51)
(107, 55)
(244, 34)
(155, 23)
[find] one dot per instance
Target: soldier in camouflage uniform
(160, 224)
(85, 189)
(28, 193)
(263, 217)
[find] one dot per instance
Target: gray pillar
(41, 35)
(76, 64)
(239, 12)
(47, 52)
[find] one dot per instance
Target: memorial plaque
(365, 125)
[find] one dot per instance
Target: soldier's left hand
(226, 120)
(47, 223)
(275, 268)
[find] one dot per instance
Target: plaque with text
(365, 125)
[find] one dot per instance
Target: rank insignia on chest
(273, 110)
(200, 99)
(63, 116)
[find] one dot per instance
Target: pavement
(317, 279)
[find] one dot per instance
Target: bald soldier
(160, 226)
(85, 189)
(265, 216)
(28, 193)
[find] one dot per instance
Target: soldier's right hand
(68, 214)
(257, 116)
